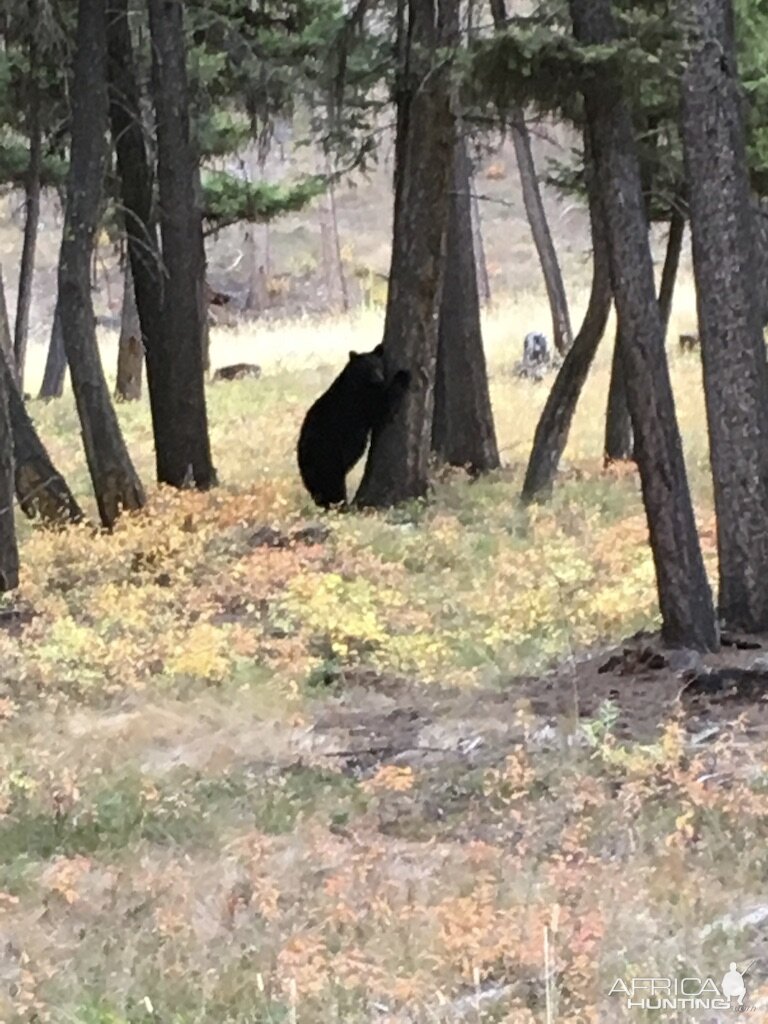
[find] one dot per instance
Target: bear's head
(367, 369)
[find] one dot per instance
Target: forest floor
(259, 764)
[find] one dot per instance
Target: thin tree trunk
(732, 346)
(115, 483)
(256, 299)
(56, 363)
(537, 217)
(40, 489)
(554, 424)
(619, 439)
(336, 244)
(6, 345)
(618, 424)
(32, 190)
(671, 262)
(130, 352)
(483, 280)
(330, 241)
(542, 237)
(685, 598)
(9, 552)
(463, 433)
(398, 461)
(189, 458)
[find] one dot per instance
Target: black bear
(336, 430)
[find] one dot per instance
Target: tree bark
(618, 424)
(685, 598)
(130, 353)
(398, 461)
(732, 346)
(619, 439)
(542, 237)
(671, 262)
(537, 217)
(32, 197)
(115, 483)
(6, 345)
(136, 184)
(256, 298)
(188, 459)
(9, 552)
(483, 280)
(463, 433)
(56, 363)
(554, 425)
(40, 489)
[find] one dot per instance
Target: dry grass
(182, 838)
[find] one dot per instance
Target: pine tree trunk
(619, 439)
(337, 250)
(6, 345)
(732, 346)
(534, 208)
(542, 237)
(189, 457)
(398, 461)
(554, 424)
(41, 490)
(671, 262)
(116, 485)
(330, 240)
(9, 552)
(56, 363)
(463, 433)
(143, 246)
(130, 352)
(483, 280)
(618, 425)
(256, 299)
(32, 190)
(685, 598)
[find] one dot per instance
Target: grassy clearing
(182, 836)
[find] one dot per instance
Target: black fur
(337, 428)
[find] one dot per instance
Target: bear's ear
(352, 356)
(379, 350)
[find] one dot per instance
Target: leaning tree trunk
(554, 425)
(56, 363)
(115, 483)
(534, 208)
(9, 552)
(619, 439)
(463, 433)
(732, 346)
(6, 345)
(189, 456)
(618, 425)
(542, 237)
(42, 491)
(130, 351)
(685, 599)
(398, 461)
(32, 196)
(671, 261)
